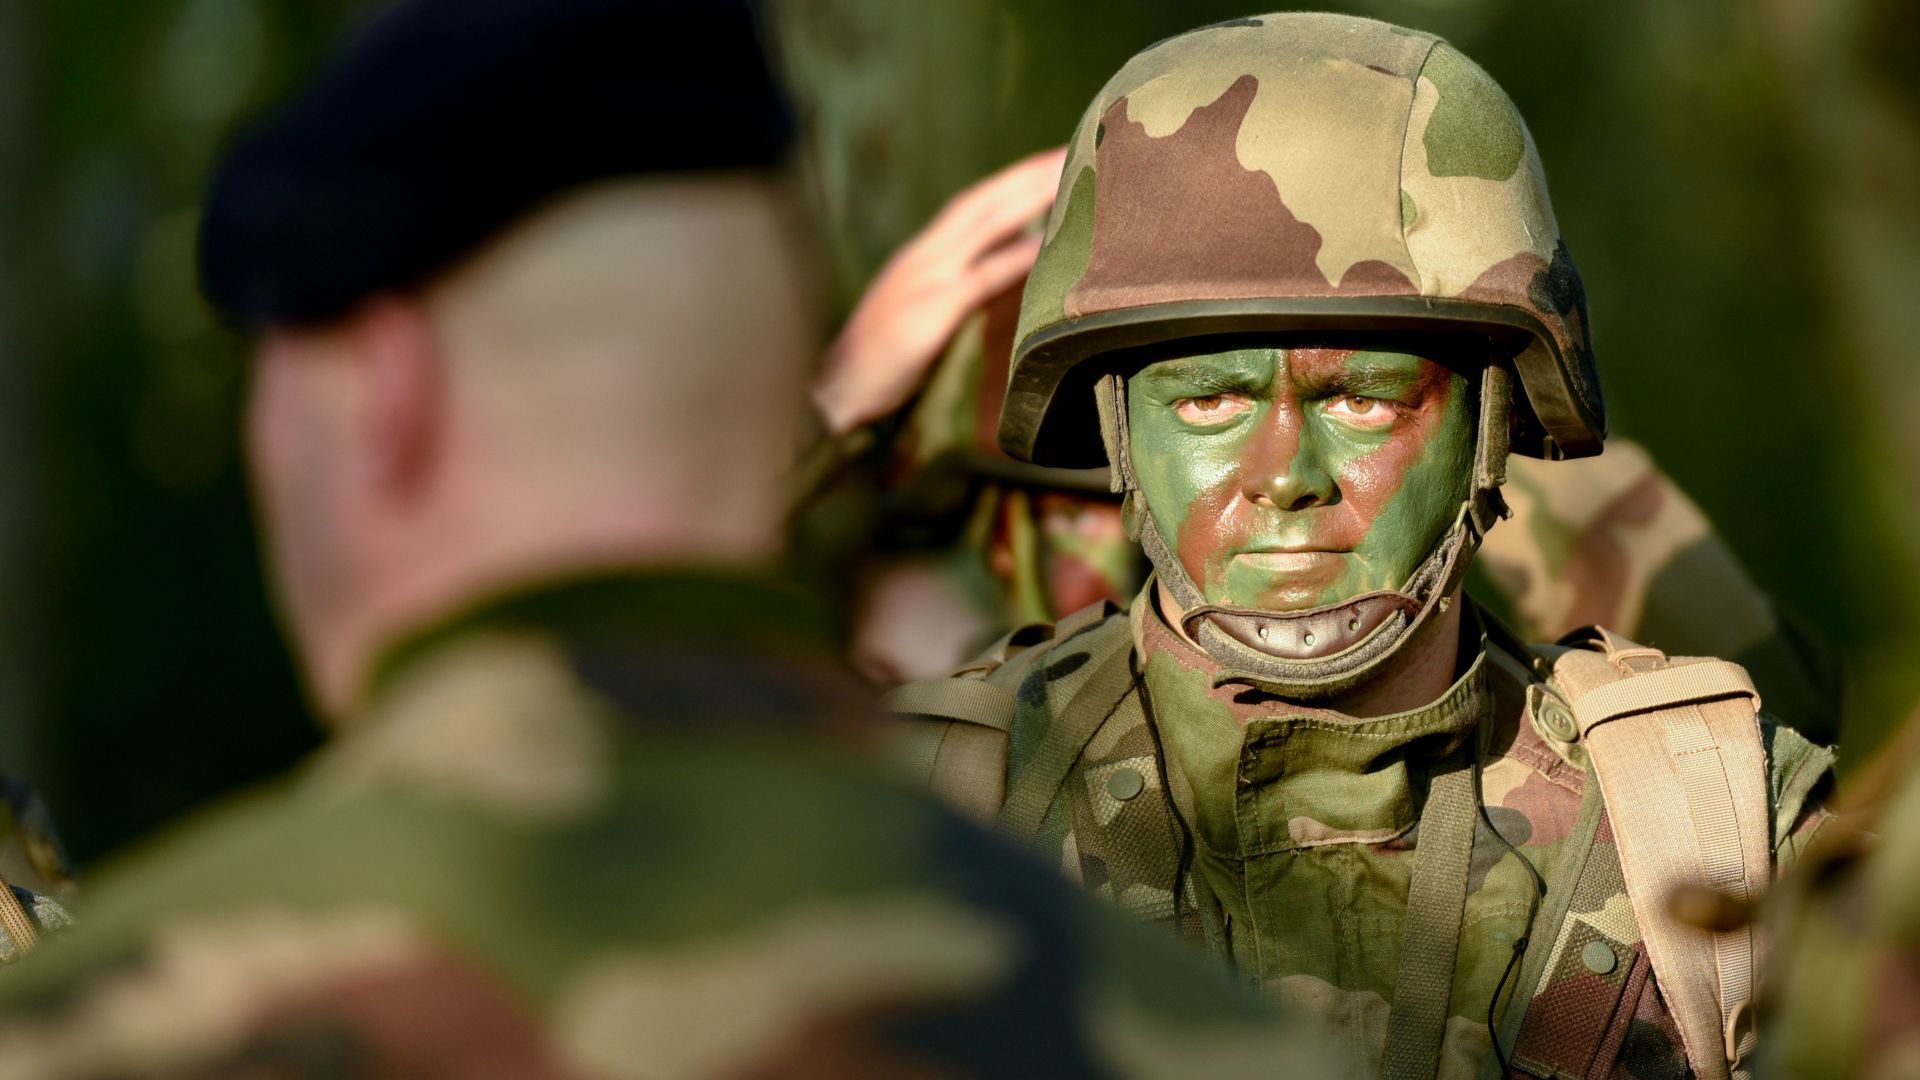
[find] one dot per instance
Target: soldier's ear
(403, 391)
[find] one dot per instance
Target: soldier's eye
(1359, 411)
(1211, 408)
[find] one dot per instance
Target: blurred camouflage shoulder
(1613, 541)
(1843, 996)
(516, 869)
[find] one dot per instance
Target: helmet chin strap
(1324, 651)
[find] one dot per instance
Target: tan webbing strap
(1664, 688)
(962, 764)
(1080, 701)
(1010, 647)
(969, 771)
(1678, 753)
(16, 922)
(916, 744)
(973, 700)
(953, 737)
(1086, 618)
(955, 729)
(1430, 937)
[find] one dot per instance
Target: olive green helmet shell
(1300, 172)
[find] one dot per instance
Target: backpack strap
(1092, 680)
(1680, 759)
(954, 729)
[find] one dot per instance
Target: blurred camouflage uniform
(1181, 787)
(1842, 998)
(524, 862)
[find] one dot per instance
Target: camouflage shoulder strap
(955, 728)
(1676, 747)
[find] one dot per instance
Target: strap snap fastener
(1599, 957)
(1126, 782)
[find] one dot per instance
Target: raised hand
(977, 246)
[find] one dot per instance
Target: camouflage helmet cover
(1300, 172)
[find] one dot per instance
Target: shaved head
(616, 378)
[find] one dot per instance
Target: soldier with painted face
(967, 543)
(1304, 288)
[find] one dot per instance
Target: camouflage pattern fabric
(614, 828)
(1842, 996)
(1189, 116)
(1613, 541)
(1302, 843)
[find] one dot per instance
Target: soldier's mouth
(1291, 562)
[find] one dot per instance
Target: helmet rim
(1040, 424)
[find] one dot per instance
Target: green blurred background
(1740, 182)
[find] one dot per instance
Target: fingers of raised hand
(1000, 269)
(981, 217)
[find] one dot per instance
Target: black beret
(440, 121)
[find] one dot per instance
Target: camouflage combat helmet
(1318, 174)
(1300, 172)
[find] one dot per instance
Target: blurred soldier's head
(524, 300)
(1304, 278)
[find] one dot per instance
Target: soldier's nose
(1286, 474)
(1301, 486)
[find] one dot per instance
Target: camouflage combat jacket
(609, 829)
(1286, 838)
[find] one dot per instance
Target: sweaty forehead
(1302, 363)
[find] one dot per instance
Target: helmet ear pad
(1132, 509)
(1110, 398)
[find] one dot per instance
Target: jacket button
(1558, 721)
(1598, 957)
(1125, 782)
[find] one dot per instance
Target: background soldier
(1298, 264)
(531, 332)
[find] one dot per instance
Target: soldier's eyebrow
(1201, 378)
(1362, 379)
